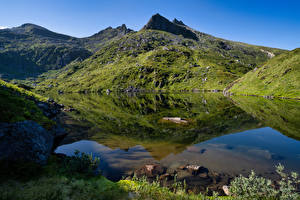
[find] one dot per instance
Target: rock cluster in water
(197, 178)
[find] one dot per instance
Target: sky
(270, 23)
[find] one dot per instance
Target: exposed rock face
(158, 22)
(25, 141)
(113, 32)
(176, 21)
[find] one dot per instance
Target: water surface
(225, 135)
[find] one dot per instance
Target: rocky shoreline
(194, 178)
(28, 141)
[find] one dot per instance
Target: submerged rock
(197, 178)
(176, 120)
(25, 141)
(151, 171)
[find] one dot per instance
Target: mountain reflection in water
(225, 135)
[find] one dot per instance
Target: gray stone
(25, 141)
(226, 190)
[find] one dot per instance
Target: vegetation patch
(18, 104)
(279, 77)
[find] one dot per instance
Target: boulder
(151, 171)
(108, 91)
(226, 190)
(176, 120)
(25, 141)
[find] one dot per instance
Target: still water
(228, 135)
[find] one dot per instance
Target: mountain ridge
(154, 59)
(28, 50)
(163, 55)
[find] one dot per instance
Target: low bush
(81, 163)
(254, 187)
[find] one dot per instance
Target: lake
(230, 135)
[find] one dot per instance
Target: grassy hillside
(153, 59)
(29, 50)
(279, 77)
(17, 104)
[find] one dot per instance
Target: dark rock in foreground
(25, 141)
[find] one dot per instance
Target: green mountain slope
(163, 55)
(278, 77)
(18, 104)
(29, 50)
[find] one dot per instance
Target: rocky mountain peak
(158, 22)
(176, 21)
(123, 28)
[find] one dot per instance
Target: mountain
(278, 77)
(38, 31)
(163, 55)
(98, 40)
(29, 50)
(158, 22)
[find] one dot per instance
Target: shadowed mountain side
(29, 50)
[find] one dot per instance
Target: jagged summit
(176, 21)
(112, 32)
(158, 22)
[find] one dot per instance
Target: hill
(163, 55)
(279, 77)
(29, 50)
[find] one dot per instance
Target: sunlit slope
(279, 77)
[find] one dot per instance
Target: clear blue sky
(264, 22)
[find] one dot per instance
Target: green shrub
(81, 163)
(254, 187)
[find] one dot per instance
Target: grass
(51, 182)
(279, 77)
(54, 182)
(18, 104)
(151, 59)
